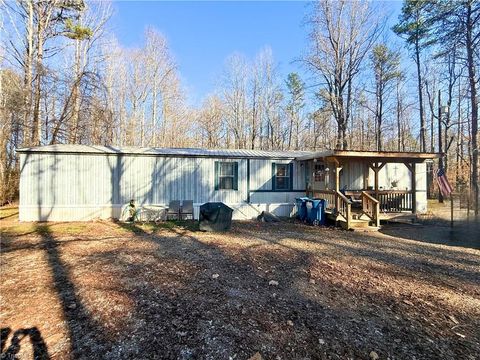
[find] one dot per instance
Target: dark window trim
(290, 177)
(234, 176)
(248, 181)
(278, 191)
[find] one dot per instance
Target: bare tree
(211, 122)
(235, 97)
(385, 64)
(342, 33)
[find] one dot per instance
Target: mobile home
(80, 182)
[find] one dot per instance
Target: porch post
(376, 167)
(337, 177)
(366, 169)
(411, 167)
(414, 189)
(338, 168)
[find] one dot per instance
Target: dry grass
(110, 290)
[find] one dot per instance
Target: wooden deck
(361, 209)
(404, 216)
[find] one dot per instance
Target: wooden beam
(337, 178)
(384, 154)
(390, 156)
(366, 170)
(413, 172)
(376, 167)
(338, 168)
(409, 166)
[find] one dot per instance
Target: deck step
(356, 224)
(365, 229)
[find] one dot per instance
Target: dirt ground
(280, 291)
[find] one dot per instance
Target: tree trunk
(28, 70)
(154, 111)
(399, 128)
(459, 138)
(440, 150)
(379, 117)
(37, 122)
(423, 144)
(474, 104)
(297, 128)
(76, 96)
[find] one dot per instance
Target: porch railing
(371, 207)
(394, 200)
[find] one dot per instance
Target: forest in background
(64, 78)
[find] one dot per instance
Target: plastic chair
(187, 209)
(173, 211)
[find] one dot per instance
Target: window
(282, 179)
(319, 172)
(226, 175)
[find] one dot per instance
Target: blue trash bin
(301, 204)
(316, 211)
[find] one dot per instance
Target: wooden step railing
(328, 195)
(343, 207)
(371, 207)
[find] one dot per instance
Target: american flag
(443, 183)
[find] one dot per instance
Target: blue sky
(202, 34)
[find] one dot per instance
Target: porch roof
(380, 156)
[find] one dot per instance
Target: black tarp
(215, 216)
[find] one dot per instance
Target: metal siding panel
(169, 195)
(206, 177)
(261, 174)
(81, 186)
(275, 197)
(394, 172)
(421, 179)
(162, 173)
(298, 175)
(352, 176)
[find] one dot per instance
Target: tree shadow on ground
(84, 331)
(179, 309)
(40, 351)
(464, 233)
(9, 216)
(145, 228)
(404, 255)
(197, 314)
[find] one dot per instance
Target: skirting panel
(242, 211)
(68, 213)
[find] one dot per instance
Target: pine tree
(296, 102)
(386, 65)
(414, 28)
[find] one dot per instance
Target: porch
(359, 189)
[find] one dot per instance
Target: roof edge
(162, 152)
(371, 154)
